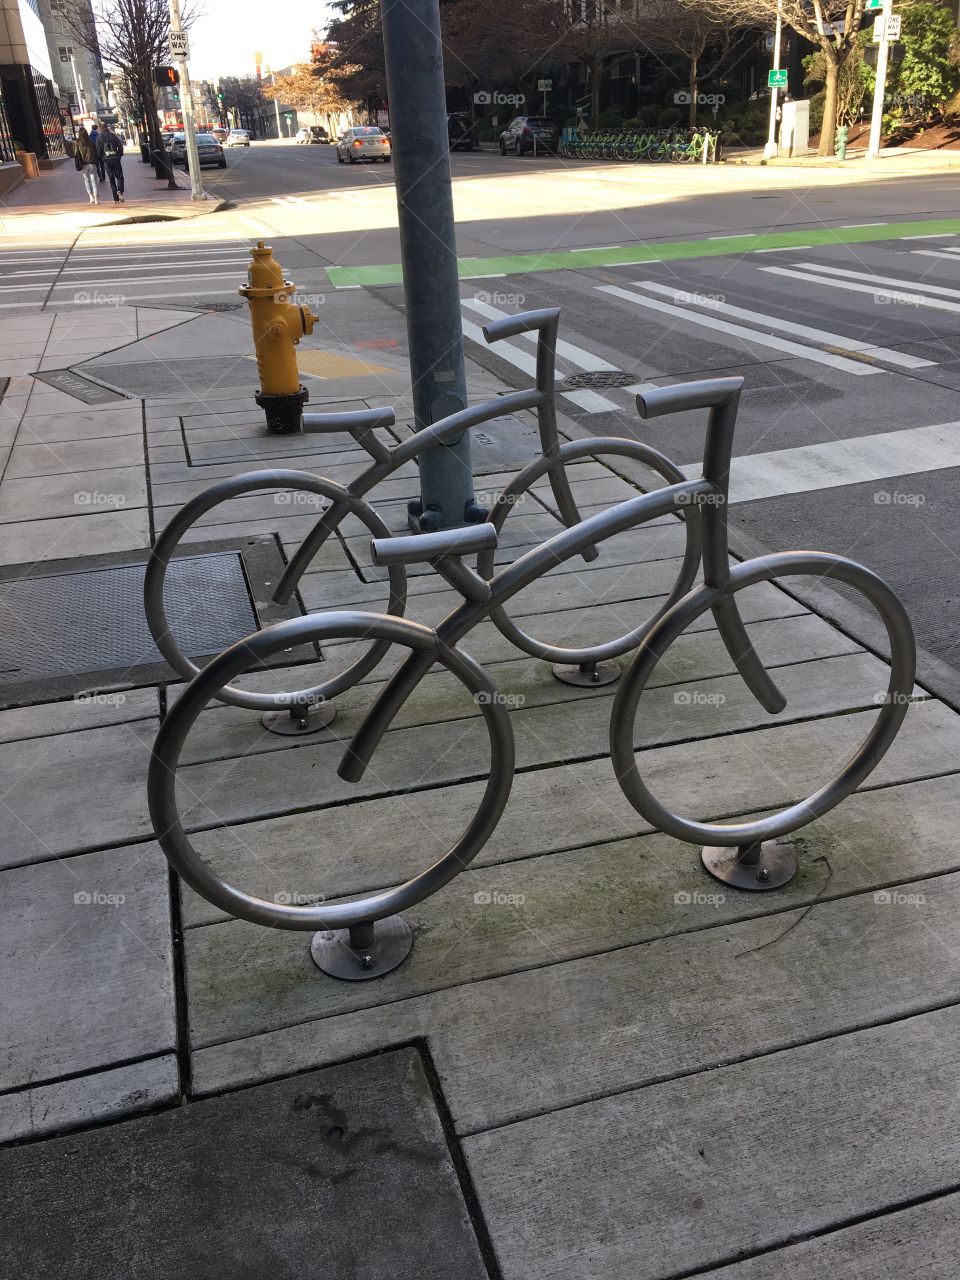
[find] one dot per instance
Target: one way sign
(179, 47)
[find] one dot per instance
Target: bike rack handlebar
(420, 548)
(523, 322)
(361, 420)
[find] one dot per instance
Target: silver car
(209, 150)
(363, 142)
(236, 138)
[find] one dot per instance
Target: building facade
(27, 89)
(77, 73)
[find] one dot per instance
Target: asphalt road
(849, 432)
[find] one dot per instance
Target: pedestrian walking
(110, 151)
(85, 158)
(95, 139)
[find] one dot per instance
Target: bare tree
(830, 25)
(131, 35)
(700, 32)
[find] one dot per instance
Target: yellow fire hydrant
(278, 325)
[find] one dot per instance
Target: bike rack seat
(420, 548)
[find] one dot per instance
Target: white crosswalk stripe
(822, 336)
(584, 398)
(841, 363)
(904, 292)
(868, 278)
(835, 463)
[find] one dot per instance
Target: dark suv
(523, 133)
(460, 131)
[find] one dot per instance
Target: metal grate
(74, 623)
(612, 379)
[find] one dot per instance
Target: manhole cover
(74, 623)
(199, 306)
(611, 379)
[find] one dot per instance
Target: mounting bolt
(366, 962)
(763, 874)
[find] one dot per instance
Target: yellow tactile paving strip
(327, 364)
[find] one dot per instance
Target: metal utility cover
(80, 388)
(73, 623)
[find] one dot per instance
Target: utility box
(795, 129)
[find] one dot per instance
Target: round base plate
(317, 717)
(776, 866)
(331, 950)
(589, 678)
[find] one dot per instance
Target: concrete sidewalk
(638, 1072)
(57, 200)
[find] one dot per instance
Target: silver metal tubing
(253, 652)
(419, 548)
(546, 324)
(222, 491)
(565, 454)
(361, 421)
(453, 426)
(892, 710)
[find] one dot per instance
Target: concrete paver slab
(98, 988)
(346, 1170)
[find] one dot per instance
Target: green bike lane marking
(576, 259)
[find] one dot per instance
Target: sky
(225, 39)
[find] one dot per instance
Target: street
(841, 340)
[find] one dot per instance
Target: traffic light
(166, 77)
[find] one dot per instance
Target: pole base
(284, 414)
(757, 868)
(299, 721)
(365, 951)
(588, 675)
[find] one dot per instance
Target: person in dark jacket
(95, 139)
(110, 153)
(85, 158)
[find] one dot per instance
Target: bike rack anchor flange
(301, 719)
(364, 950)
(756, 867)
(588, 675)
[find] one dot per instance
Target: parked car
(209, 150)
(220, 133)
(235, 138)
(312, 133)
(460, 131)
(523, 132)
(363, 142)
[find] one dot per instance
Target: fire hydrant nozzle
(278, 325)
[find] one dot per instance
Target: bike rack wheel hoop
(591, 665)
(364, 937)
(749, 855)
(309, 704)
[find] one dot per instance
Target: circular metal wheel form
(325, 916)
(224, 491)
(893, 704)
(598, 654)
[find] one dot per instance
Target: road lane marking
(591, 402)
(739, 331)
(835, 463)
(784, 248)
(906, 296)
(789, 326)
(576, 355)
(897, 283)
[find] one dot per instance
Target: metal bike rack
(366, 937)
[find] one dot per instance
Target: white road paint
(895, 282)
(790, 326)
(905, 296)
(591, 401)
(855, 368)
(836, 463)
(576, 355)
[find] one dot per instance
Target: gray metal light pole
(179, 48)
(428, 252)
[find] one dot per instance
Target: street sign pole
(880, 87)
(179, 50)
(428, 252)
(770, 150)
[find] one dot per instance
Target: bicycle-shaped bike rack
(367, 936)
